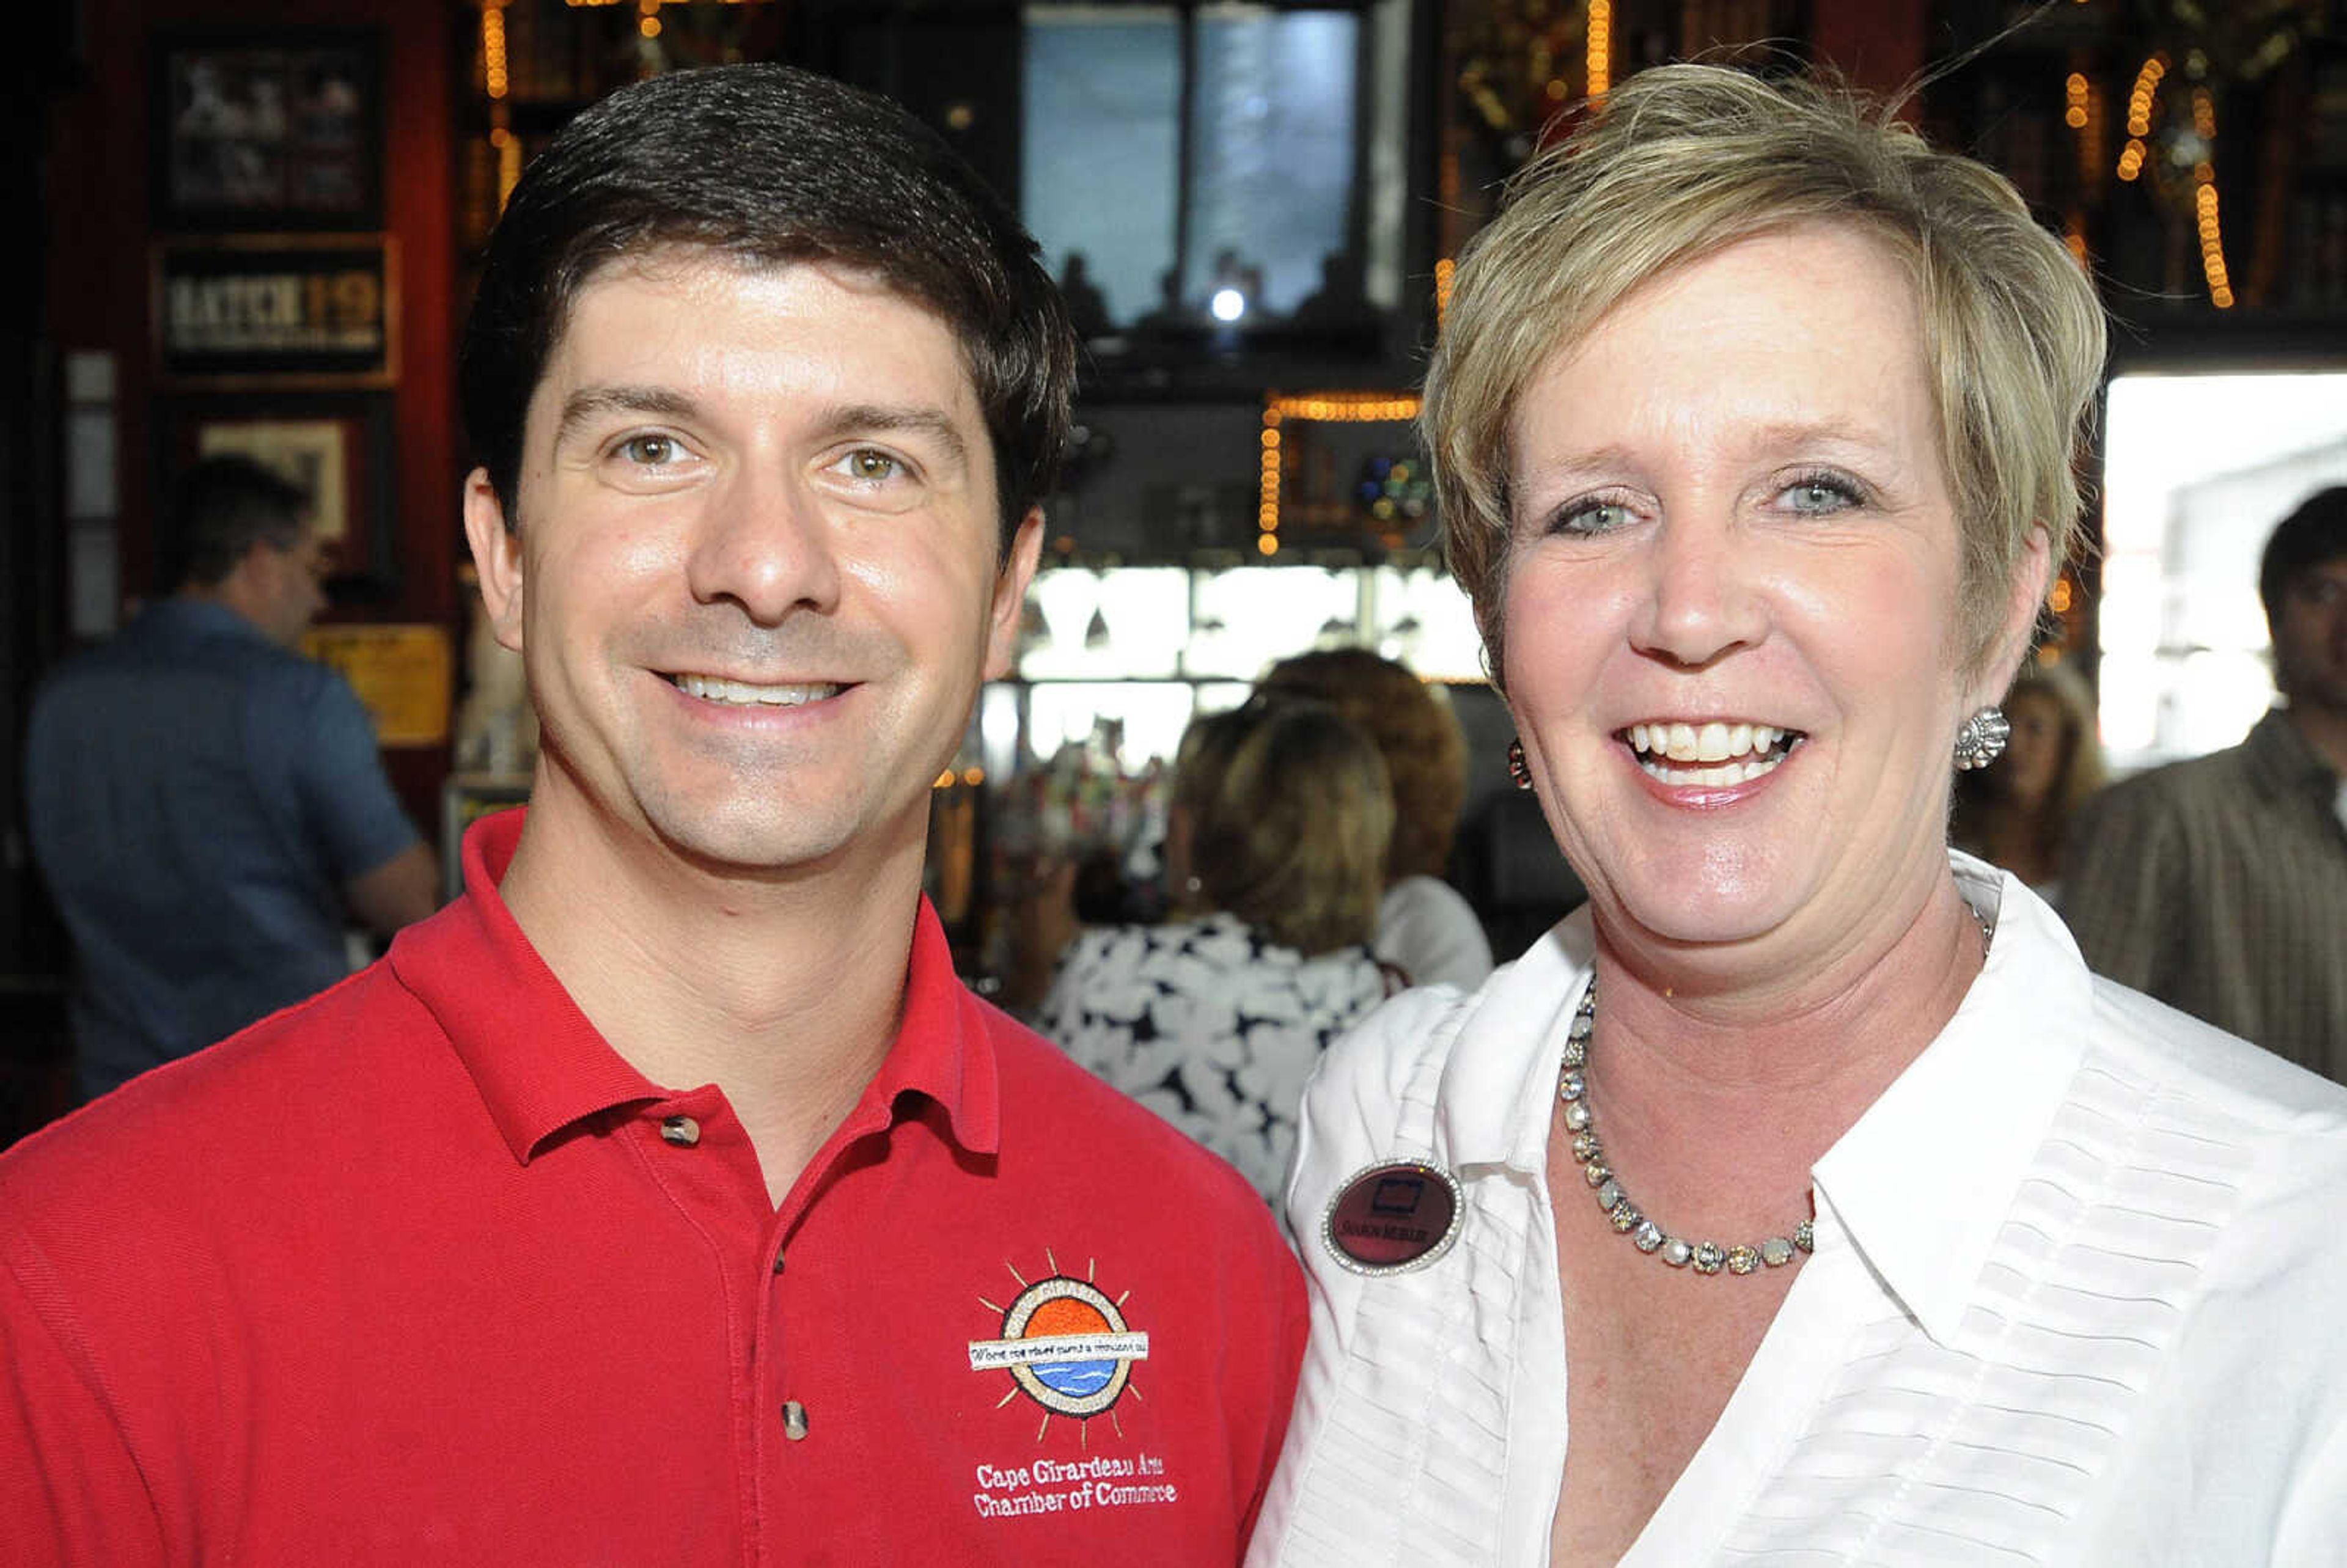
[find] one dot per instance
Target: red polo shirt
(422, 1271)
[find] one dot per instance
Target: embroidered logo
(1066, 1345)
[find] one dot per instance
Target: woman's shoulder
(1378, 1057)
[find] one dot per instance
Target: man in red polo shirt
(666, 1200)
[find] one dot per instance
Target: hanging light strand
(1600, 35)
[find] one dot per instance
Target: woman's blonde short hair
(1291, 829)
(1416, 733)
(1682, 161)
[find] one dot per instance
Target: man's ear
(1010, 593)
(497, 558)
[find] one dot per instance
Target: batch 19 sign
(288, 311)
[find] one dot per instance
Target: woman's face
(2032, 762)
(1731, 617)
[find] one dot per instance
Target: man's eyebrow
(881, 419)
(589, 403)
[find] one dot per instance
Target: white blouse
(2075, 1298)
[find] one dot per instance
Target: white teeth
(1717, 777)
(712, 689)
(1731, 754)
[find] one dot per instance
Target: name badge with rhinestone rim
(1393, 1217)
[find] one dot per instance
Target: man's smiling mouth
(743, 695)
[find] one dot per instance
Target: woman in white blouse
(1803, 1199)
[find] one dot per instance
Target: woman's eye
(649, 451)
(1819, 493)
(1586, 517)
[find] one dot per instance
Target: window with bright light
(1264, 198)
(2199, 468)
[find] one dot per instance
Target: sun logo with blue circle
(1066, 1345)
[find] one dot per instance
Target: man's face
(755, 578)
(292, 579)
(2310, 638)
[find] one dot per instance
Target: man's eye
(870, 466)
(649, 451)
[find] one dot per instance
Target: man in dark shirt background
(207, 806)
(2220, 885)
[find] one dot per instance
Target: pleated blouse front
(2073, 1301)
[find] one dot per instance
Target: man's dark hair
(2315, 533)
(770, 165)
(223, 508)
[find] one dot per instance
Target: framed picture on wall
(268, 131)
(336, 448)
(277, 309)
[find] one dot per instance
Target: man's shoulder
(198, 1132)
(143, 652)
(2209, 777)
(1090, 1129)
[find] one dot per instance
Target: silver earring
(1982, 739)
(1520, 772)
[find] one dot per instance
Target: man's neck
(2325, 730)
(227, 594)
(784, 992)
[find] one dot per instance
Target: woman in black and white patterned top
(1277, 835)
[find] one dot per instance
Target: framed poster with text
(277, 310)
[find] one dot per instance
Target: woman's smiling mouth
(1716, 753)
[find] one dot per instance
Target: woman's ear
(2033, 575)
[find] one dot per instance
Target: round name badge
(1393, 1217)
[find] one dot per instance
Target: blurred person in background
(2220, 885)
(1275, 843)
(207, 806)
(2016, 813)
(1425, 928)
(1803, 1197)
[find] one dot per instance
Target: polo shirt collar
(540, 1066)
(1922, 1182)
(187, 615)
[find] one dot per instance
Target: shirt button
(681, 1131)
(778, 1263)
(795, 1421)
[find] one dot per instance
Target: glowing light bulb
(1228, 304)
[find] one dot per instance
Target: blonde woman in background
(2016, 813)
(1275, 843)
(1425, 930)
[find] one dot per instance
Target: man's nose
(765, 543)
